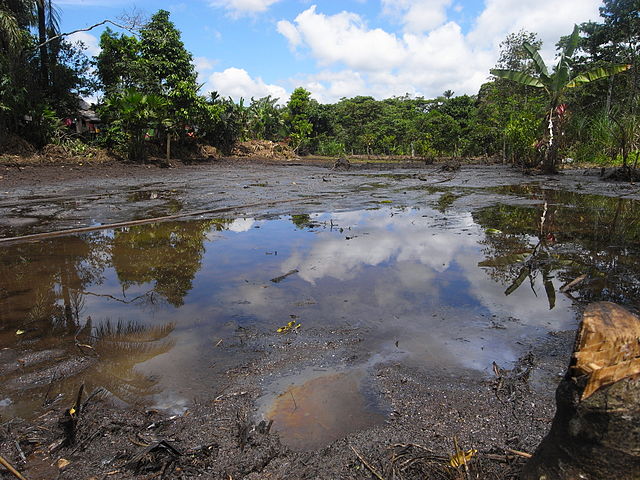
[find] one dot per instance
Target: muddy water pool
(157, 314)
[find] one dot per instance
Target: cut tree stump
(595, 433)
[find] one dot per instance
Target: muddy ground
(220, 436)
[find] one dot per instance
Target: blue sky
(383, 48)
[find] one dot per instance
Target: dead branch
(66, 34)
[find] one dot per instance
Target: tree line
(586, 108)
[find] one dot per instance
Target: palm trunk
(44, 51)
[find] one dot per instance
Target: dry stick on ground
(110, 226)
(10, 468)
(366, 464)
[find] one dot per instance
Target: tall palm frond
(9, 30)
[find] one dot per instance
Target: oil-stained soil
(295, 321)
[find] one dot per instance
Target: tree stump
(595, 433)
(342, 164)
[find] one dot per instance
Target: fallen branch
(10, 468)
(519, 453)
(282, 277)
(573, 283)
(131, 223)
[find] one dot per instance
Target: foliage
(158, 65)
(37, 80)
(521, 133)
(556, 84)
(297, 119)
(149, 83)
(135, 116)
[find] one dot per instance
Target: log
(595, 433)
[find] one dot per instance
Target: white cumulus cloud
(344, 38)
(550, 19)
(237, 83)
(418, 15)
(90, 42)
(431, 54)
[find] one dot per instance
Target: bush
(331, 148)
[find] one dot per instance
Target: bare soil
(220, 437)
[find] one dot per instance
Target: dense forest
(585, 108)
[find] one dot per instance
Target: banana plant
(556, 84)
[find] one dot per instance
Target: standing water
(159, 314)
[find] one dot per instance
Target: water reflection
(587, 235)
(167, 255)
(427, 286)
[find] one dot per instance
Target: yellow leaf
(461, 458)
(19, 332)
(62, 462)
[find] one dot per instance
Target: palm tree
(556, 85)
(136, 113)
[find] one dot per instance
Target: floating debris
(282, 277)
(292, 326)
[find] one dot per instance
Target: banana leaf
(524, 273)
(596, 74)
(519, 77)
(538, 62)
(572, 44)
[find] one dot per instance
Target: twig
(9, 467)
(364, 462)
(573, 283)
(91, 395)
(519, 453)
(110, 226)
(106, 295)
(295, 405)
(46, 402)
(20, 452)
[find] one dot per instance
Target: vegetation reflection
(572, 236)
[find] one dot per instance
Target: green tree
(159, 65)
(118, 65)
(297, 117)
(442, 131)
(556, 84)
(162, 52)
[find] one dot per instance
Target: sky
(335, 49)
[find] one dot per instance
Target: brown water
(321, 409)
(158, 314)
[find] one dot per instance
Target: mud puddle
(159, 314)
(313, 409)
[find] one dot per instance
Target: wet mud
(324, 325)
